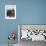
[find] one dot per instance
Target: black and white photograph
(10, 11)
(29, 34)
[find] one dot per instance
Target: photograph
(10, 11)
(28, 33)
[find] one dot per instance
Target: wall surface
(27, 12)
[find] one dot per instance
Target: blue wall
(27, 12)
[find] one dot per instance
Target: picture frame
(39, 28)
(10, 11)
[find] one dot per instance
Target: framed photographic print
(10, 11)
(33, 32)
